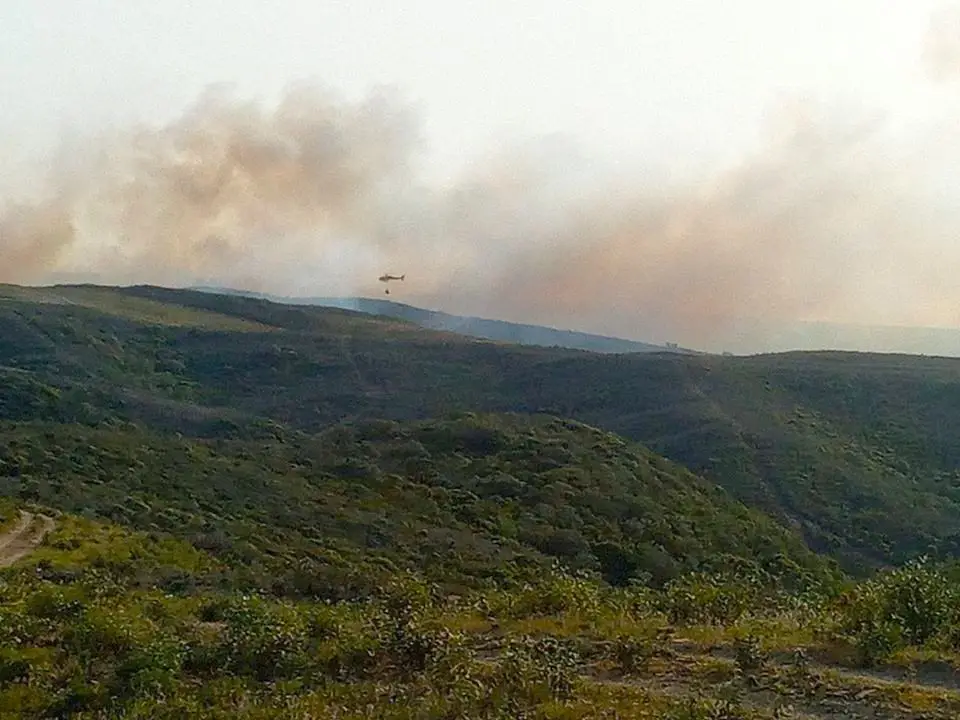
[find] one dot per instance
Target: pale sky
(664, 80)
(691, 91)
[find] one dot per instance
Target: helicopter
(387, 277)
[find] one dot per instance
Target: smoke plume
(229, 191)
(834, 217)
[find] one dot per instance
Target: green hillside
(261, 511)
(464, 500)
(855, 451)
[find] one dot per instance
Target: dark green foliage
(913, 605)
(468, 499)
(854, 451)
(309, 487)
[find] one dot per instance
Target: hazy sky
(690, 111)
(668, 80)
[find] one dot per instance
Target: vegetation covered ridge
(467, 499)
(262, 511)
(853, 451)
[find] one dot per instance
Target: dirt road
(29, 532)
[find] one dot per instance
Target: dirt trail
(819, 692)
(929, 675)
(810, 690)
(26, 535)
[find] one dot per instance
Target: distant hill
(499, 330)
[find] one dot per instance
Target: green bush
(533, 671)
(912, 605)
(264, 640)
(716, 598)
(556, 593)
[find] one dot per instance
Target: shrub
(533, 671)
(264, 640)
(714, 598)
(633, 652)
(911, 605)
(557, 593)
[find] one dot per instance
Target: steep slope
(851, 448)
(460, 499)
(249, 445)
(854, 450)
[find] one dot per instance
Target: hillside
(463, 500)
(853, 450)
(511, 332)
(223, 507)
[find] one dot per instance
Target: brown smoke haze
(835, 216)
(230, 191)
